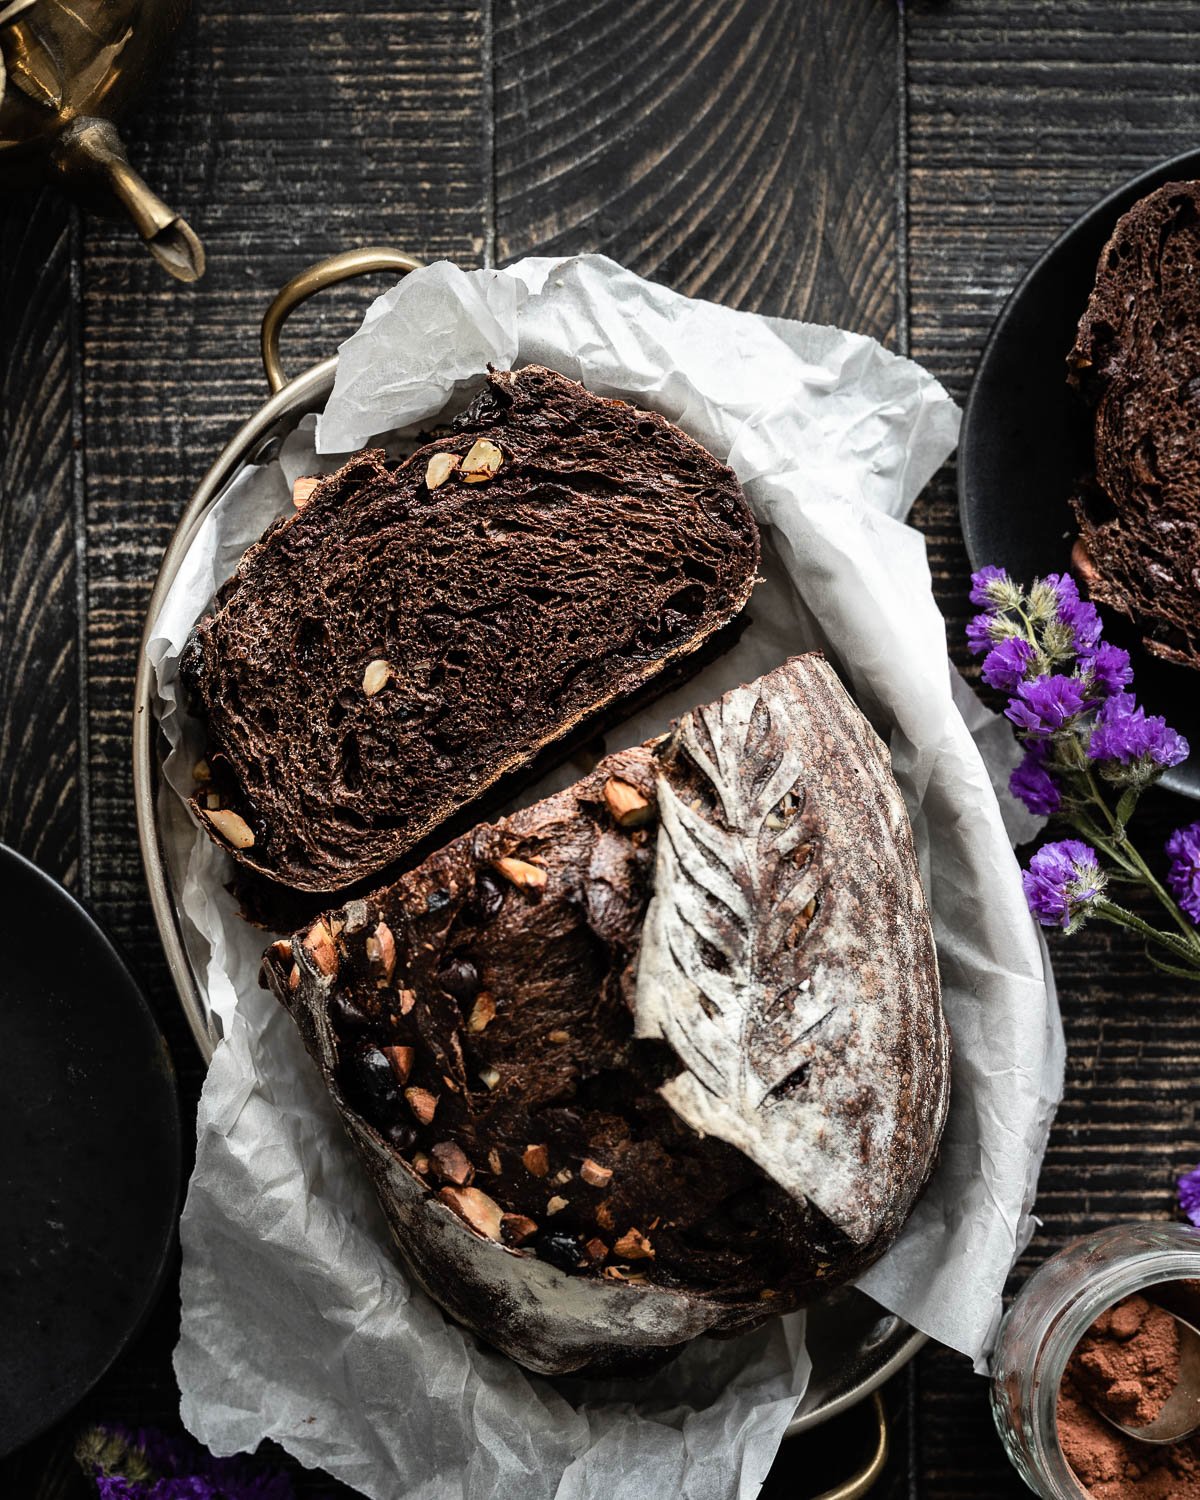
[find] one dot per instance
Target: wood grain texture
(40, 715)
(744, 151)
(1019, 117)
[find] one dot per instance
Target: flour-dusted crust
(413, 633)
(787, 955)
(537, 1160)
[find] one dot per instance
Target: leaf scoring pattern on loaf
(787, 944)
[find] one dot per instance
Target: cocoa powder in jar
(1125, 1367)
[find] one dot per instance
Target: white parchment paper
(297, 1323)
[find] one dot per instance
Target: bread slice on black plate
(414, 632)
(1137, 360)
(661, 1054)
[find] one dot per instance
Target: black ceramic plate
(89, 1153)
(1026, 440)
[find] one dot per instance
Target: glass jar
(1052, 1312)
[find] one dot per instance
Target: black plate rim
(25, 868)
(1187, 164)
(1163, 169)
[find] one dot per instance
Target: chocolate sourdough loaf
(659, 1055)
(1137, 360)
(414, 632)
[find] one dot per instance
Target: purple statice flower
(1062, 882)
(1184, 879)
(1188, 1189)
(1078, 613)
(1005, 664)
(1033, 785)
(151, 1465)
(1109, 669)
(979, 633)
(984, 590)
(1125, 735)
(1045, 705)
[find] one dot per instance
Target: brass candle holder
(68, 70)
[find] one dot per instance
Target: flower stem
(1120, 916)
(1129, 857)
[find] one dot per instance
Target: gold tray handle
(325, 273)
(867, 1477)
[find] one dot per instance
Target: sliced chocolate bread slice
(414, 632)
(1137, 360)
(662, 1053)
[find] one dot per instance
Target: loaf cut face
(597, 1133)
(1137, 360)
(415, 632)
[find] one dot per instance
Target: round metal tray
(854, 1344)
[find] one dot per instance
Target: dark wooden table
(891, 168)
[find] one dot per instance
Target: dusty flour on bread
(787, 955)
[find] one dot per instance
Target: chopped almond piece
(596, 1251)
(401, 1059)
(482, 462)
(319, 942)
(522, 873)
(556, 1204)
(594, 1174)
(633, 1245)
(482, 1213)
(515, 1229)
(439, 469)
(408, 998)
(422, 1103)
(482, 1012)
(236, 831)
(376, 677)
(381, 951)
(558, 1037)
(451, 1163)
(537, 1160)
(604, 1215)
(302, 489)
(494, 1163)
(627, 805)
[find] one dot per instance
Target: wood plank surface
(42, 809)
(1020, 116)
(744, 152)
